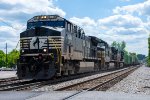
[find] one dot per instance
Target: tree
(118, 46)
(128, 56)
(12, 57)
(123, 45)
(148, 63)
(2, 57)
(114, 44)
(141, 56)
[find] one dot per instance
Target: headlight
(22, 51)
(45, 50)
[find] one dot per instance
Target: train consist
(52, 45)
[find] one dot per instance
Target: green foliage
(11, 58)
(141, 57)
(114, 44)
(2, 58)
(121, 46)
(148, 63)
(147, 60)
(128, 56)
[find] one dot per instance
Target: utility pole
(148, 51)
(6, 55)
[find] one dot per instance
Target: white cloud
(15, 13)
(86, 21)
(141, 29)
(140, 8)
(121, 21)
(89, 25)
(123, 25)
(24, 9)
(128, 28)
(5, 29)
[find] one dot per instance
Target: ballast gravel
(7, 74)
(137, 83)
(67, 83)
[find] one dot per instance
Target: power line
(3, 21)
(7, 23)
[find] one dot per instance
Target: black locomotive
(52, 45)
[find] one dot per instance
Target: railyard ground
(136, 83)
(134, 87)
(7, 74)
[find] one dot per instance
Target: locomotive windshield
(39, 31)
(46, 20)
(46, 23)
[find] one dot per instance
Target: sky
(110, 20)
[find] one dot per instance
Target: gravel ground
(67, 83)
(61, 95)
(7, 74)
(137, 83)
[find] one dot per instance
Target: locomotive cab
(40, 48)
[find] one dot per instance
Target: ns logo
(37, 43)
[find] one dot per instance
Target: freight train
(53, 46)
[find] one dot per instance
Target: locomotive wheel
(123, 65)
(96, 67)
(115, 65)
(62, 73)
(99, 66)
(107, 66)
(72, 70)
(77, 68)
(118, 65)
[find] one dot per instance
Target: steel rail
(97, 86)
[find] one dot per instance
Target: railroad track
(14, 85)
(33, 84)
(104, 84)
(19, 85)
(99, 82)
(6, 80)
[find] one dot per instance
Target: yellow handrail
(59, 54)
(58, 51)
